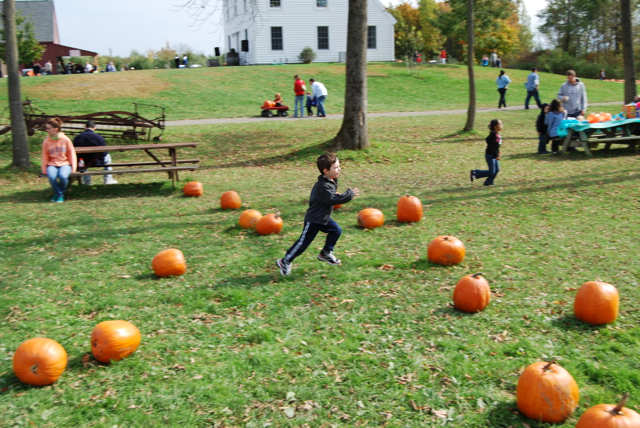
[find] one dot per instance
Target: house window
(229, 45)
(321, 3)
(275, 3)
(246, 34)
(371, 37)
(276, 38)
(323, 38)
(245, 6)
(235, 8)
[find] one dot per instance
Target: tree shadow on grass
(575, 156)
(88, 193)
(506, 414)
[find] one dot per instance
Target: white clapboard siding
(300, 20)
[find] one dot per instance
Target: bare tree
(627, 51)
(353, 133)
(18, 130)
(471, 112)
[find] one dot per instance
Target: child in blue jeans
(323, 197)
(492, 155)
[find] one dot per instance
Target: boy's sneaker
(110, 181)
(60, 198)
(285, 268)
(329, 258)
(472, 175)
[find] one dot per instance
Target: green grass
(232, 343)
(222, 92)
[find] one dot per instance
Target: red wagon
(280, 111)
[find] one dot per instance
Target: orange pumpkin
(596, 303)
(547, 392)
(409, 209)
(370, 218)
(335, 207)
(230, 200)
(269, 104)
(114, 340)
(269, 224)
(249, 219)
(169, 262)
(39, 361)
(193, 188)
(593, 118)
(446, 250)
(472, 293)
(609, 416)
(605, 117)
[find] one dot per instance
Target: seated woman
(58, 158)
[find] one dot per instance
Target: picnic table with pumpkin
(591, 134)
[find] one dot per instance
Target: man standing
(299, 89)
(320, 94)
(185, 61)
(89, 138)
(443, 56)
(573, 95)
(177, 61)
(494, 58)
(533, 81)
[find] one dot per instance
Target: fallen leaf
(386, 267)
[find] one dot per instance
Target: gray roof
(43, 16)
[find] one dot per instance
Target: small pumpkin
(193, 188)
(249, 219)
(169, 262)
(39, 361)
(472, 293)
(335, 207)
(370, 218)
(547, 392)
(114, 340)
(269, 224)
(446, 250)
(230, 200)
(593, 118)
(609, 416)
(605, 117)
(409, 209)
(596, 303)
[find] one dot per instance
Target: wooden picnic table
(612, 132)
(170, 166)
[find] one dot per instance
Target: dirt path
(253, 119)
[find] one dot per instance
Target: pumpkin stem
(475, 275)
(616, 410)
(549, 364)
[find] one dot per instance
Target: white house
(276, 31)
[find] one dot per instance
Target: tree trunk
(471, 113)
(353, 133)
(18, 132)
(627, 52)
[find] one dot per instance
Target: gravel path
(253, 119)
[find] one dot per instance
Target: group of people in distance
(59, 158)
(315, 98)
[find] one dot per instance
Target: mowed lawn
(233, 344)
(221, 92)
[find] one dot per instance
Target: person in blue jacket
(556, 115)
(503, 84)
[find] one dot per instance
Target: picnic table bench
(170, 166)
(589, 137)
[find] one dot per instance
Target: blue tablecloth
(583, 125)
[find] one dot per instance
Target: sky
(116, 27)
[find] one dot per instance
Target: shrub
(307, 55)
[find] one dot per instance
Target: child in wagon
(278, 101)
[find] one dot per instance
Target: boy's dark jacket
(322, 199)
(541, 127)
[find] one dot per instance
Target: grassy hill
(239, 91)
(233, 344)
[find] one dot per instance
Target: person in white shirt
(88, 68)
(320, 94)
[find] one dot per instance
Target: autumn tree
(29, 49)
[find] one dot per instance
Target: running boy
(323, 197)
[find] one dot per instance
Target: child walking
(556, 115)
(492, 154)
(323, 197)
(543, 129)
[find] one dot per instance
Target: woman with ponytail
(58, 158)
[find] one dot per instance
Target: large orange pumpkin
(596, 303)
(370, 218)
(409, 209)
(446, 250)
(547, 392)
(230, 200)
(249, 219)
(193, 188)
(609, 416)
(114, 340)
(169, 262)
(269, 224)
(472, 293)
(269, 104)
(39, 361)
(605, 117)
